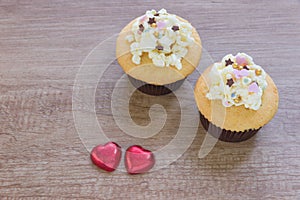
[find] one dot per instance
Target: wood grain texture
(42, 45)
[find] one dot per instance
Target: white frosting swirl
(237, 80)
(163, 36)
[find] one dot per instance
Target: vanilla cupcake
(235, 98)
(158, 51)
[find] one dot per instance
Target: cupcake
(158, 51)
(235, 98)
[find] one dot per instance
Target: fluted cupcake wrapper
(155, 90)
(226, 135)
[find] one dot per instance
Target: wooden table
(43, 44)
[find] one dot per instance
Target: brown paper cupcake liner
(226, 135)
(155, 90)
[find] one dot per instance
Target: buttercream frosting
(237, 81)
(163, 36)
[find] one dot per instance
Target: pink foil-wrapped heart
(242, 61)
(253, 88)
(161, 24)
(138, 160)
(240, 73)
(107, 157)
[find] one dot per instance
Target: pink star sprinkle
(253, 88)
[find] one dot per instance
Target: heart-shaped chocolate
(138, 160)
(107, 157)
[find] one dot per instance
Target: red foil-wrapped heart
(107, 157)
(138, 160)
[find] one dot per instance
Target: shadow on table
(225, 156)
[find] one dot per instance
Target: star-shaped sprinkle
(175, 28)
(159, 47)
(156, 14)
(230, 82)
(141, 27)
(151, 20)
(228, 62)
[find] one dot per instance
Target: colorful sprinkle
(228, 62)
(154, 25)
(161, 24)
(245, 67)
(240, 73)
(235, 66)
(151, 20)
(244, 72)
(238, 99)
(253, 88)
(230, 82)
(241, 61)
(227, 103)
(258, 72)
(232, 95)
(175, 28)
(156, 14)
(141, 27)
(159, 47)
(246, 80)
